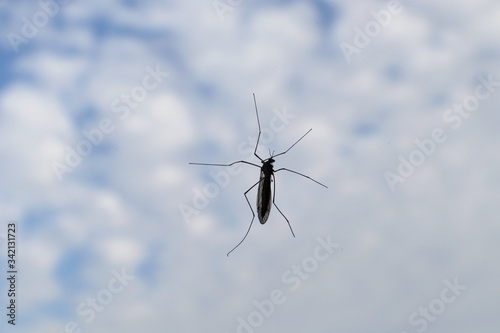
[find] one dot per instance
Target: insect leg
(258, 122)
(300, 174)
(258, 166)
(274, 203)
(286, 151)
(253, 216)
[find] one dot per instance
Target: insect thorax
(267, 166)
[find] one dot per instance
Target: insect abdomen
(264, 197)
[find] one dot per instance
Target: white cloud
(121, 204)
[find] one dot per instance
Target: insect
(264, 194)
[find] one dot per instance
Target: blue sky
(104, 104)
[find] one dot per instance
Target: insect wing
(264, 197)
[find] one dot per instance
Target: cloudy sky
(104, 104)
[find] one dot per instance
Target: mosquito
(264, 193)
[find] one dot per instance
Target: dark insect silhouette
(264, 194)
